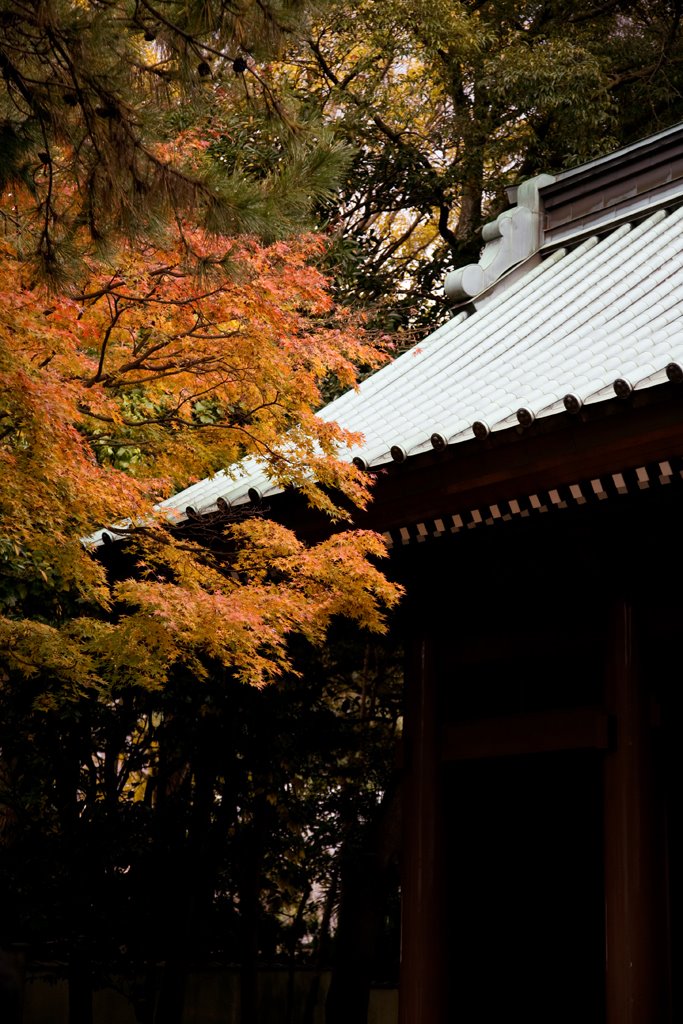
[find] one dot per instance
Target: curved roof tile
(609, 308)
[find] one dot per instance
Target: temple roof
(562, 327)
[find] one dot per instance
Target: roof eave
(556, 451)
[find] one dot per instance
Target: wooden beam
(558, 451)
(423, 979)
(579, 729)
(636, 987)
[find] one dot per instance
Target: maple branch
(223, 336)
(115, 282)
(136, 364)
(164, 371)
(238, 424)
(118, 311)
(150, 297)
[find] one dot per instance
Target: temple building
(529, 464)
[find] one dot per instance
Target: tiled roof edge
(615, 186)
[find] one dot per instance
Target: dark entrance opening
(525, 921)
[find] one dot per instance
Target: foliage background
(214, 217)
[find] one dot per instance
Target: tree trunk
(294, 938)
(250, 890)
(366, 876)
(323, 949)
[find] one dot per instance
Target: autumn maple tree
(162, 316)
(154, 377)
(149, 338)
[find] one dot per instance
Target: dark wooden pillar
(422, 891)
(636, 987)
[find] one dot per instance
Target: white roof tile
(610, 307)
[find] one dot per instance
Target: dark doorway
(525, 922)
